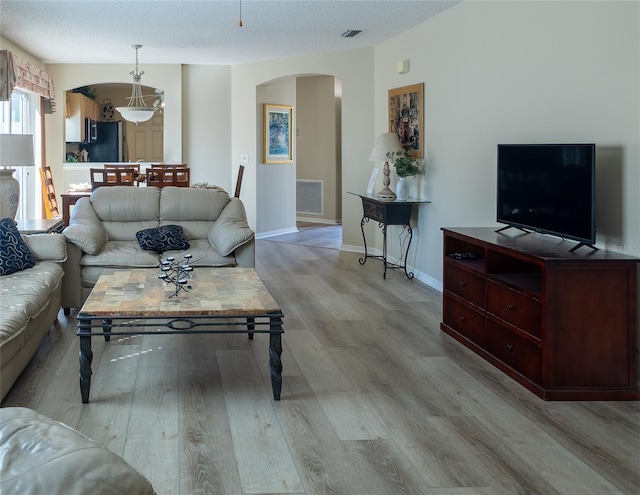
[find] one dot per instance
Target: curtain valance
(16, 72)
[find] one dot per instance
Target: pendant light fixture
(136, 111)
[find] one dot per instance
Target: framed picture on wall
(278, 121)
(406, 117)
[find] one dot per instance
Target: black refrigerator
(109, 146)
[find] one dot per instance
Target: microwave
(90, 131)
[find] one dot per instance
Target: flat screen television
(548, 188)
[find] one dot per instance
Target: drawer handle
(461, 318)
(463, 283)
(510, 347)
(510, 307)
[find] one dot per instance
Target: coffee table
(137, 302)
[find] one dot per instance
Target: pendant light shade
(136, 111)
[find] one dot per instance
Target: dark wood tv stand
(560, 323)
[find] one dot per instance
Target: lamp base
(386, 193)
(9, 194)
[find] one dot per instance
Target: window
(16, 118)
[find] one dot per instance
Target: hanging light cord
(240, 21)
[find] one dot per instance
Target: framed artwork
(278, 121)
(406, 117)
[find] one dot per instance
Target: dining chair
(134, 166)
(162, 177)
(169, 165)
(49, 193)
(239, 181)
(112, 177)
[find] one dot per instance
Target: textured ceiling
(202, 32)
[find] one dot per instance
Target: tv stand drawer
(519, 353)
(464, 320)
(464, 284)
(513, 307)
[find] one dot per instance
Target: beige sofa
(103, 227)
(29, 304)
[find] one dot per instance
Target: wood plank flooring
(375, 399)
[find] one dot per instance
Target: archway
(137, 142)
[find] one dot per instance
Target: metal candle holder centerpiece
(176, 273)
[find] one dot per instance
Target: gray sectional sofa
(105, 232)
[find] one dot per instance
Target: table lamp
(16, 150)
(385, 143)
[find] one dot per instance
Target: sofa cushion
(15, 255)
(124, 210)
(231, 229)
(163, 238)
(202, 255)
(119, 254)
(23, 296)
(126, 203)
(47, 247)
(183, 205)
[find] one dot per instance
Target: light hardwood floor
(375, 400)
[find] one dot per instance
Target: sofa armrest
(47, 247)
(230, 230)
(85, 228)
(246, 254)
(71, 280)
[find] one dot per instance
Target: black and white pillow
(15, 255)
(164, 238)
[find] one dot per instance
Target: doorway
(292, 197)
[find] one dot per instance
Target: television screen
(548, 188)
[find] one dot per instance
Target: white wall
(518, 72)
(206, 130)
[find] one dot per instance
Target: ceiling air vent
(351, 33)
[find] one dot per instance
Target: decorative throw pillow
(164, 238)
(15, 255)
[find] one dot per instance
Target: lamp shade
(16, 150)
(136, 114)
(386, 142)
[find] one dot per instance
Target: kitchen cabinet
(560, 323)
(79, 109)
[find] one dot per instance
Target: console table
(388, 212)
(560, 323)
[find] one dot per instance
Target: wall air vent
(351, 33)
(309, 195)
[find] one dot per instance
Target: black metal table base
(383, 258)
(271, 324)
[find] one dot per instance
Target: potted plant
(406, 166)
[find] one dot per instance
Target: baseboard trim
(274, 233)
(325, 221)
